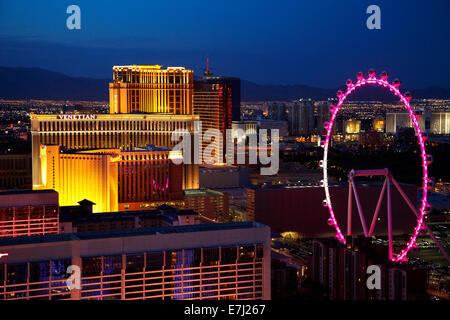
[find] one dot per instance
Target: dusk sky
(315, 42)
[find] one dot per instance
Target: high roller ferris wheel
(425, 159)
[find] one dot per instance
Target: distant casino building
(378, 124)
(112, 179)
(352, 126)
(200, 262)
(150, 89)
(28, 213)
(123, 131)
(440, 123)
(434, 122)
(396, 120)
(213, 104)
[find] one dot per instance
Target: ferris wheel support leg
(360, 211)
(414, 210)
(389, 211)
(349, 211)
(377, 210)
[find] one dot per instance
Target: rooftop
(151, 67)
(127, 233)
(133, 66)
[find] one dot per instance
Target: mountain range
(36, 83)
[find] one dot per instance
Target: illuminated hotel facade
(151, 89)
(198, 262)
(113, 179)
(212, 103)
(123, 131)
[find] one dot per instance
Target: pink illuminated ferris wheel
(426, 159)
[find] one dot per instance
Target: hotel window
(259, 253)
(91, 267)
(39, 272)
(112, 264)
(16, 274)
(228, 255)
(174, 259)
(210, 256)
(246, 254)
(154, 260)
(59, 268)
(2, 275)
(134, 263)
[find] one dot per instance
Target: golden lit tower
(151, 89)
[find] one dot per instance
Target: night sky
(314, 42)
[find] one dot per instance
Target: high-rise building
(28, 213)
(113, 179)
(150, 89)
(321, 114)
(300, 118)
(123, 131)
(206, 261)
(230, 82)
(278, 111)
(212, 102)
(306, 117)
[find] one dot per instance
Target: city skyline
(234, 150)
